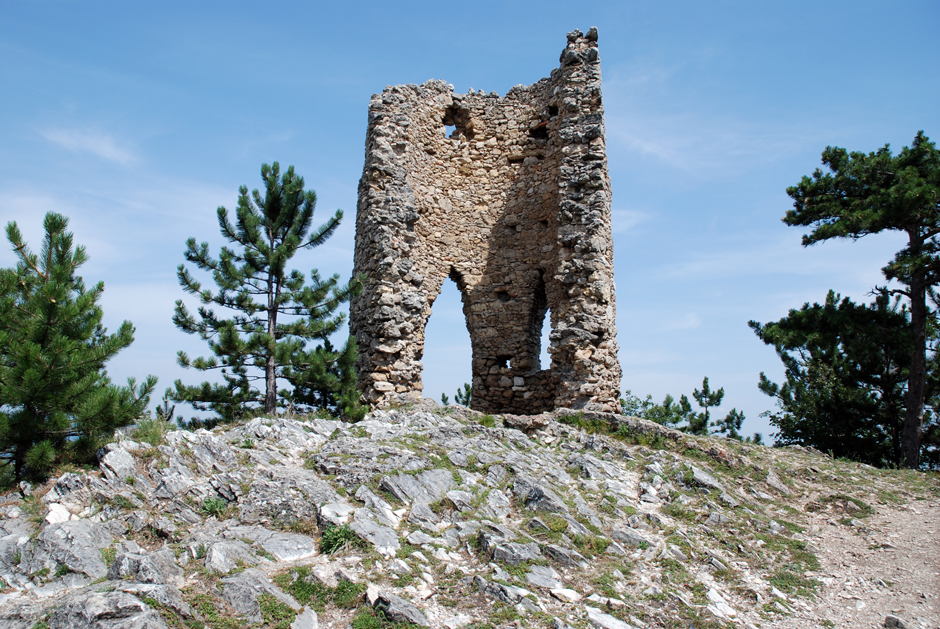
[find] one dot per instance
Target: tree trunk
(270, 382)
(270, 372)
(917, 378)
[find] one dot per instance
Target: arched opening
(448, 355)
(545, 360)
(540, 326)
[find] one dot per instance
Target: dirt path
(888, 566)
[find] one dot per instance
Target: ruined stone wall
(513, 204)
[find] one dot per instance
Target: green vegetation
(464, 396)
(846, 376)
(277, 315)
(791, 582)
(842, 504)
(368, 618)
(58, 403)
(151, 430)
(214, 506)
(309, 592)
(123, 502)
(871, 193)
(335, 537)
(679, 415)
(614, 429)
(211, 612)
(276, 614)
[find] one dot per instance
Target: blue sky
(138, 121)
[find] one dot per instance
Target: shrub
(335, 537)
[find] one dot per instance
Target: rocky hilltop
(445, 517)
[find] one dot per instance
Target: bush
(151, 430)
(335, 537)
(214, 506)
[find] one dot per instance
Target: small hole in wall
(503, 296)
(516, 159)
(503, 362)
(457, 123)
(552, 111)
(539, 132)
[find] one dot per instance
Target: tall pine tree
(276, 314)
(58, 403)
(870, 193)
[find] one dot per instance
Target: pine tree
(706, 398)
(669, 413)
(58, 403)
(464, 396)
(847, 367)
(870, 193)
(275, 314)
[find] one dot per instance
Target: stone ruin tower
(510, 198)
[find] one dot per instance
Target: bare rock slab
(399, 610)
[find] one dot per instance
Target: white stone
(566, 594)
(58, 513)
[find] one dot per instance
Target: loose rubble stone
(283, 546)
(462, 555)
(242, 590)
(399, 610)
(565, 556)
(427, 487)
(223, 557)
(515, 554)
(383, 538)
(629, 537)
(107, 610)
(76, 544)
(703, 478)
(382, 510)
(774, 481)
(167, 595)
(605, 621)
(544, 499)
(156, 567)
(118, 464)
(305, 620)
(544, 577)
(422, 515)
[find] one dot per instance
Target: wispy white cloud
(782, 255)
(642, 358)
(625, 220)
(688, 321)
(92, 141)
(652, 111)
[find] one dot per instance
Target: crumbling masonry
(510, 198)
